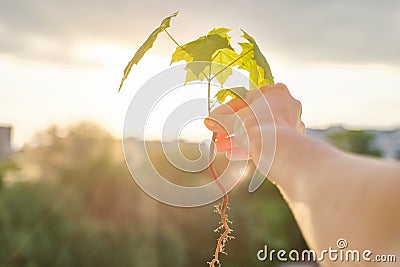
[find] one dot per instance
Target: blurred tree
(43, 226)
(86, 158)
(360, 142)
(82, 208)
(5, 167)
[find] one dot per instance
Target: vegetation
(6, 166)
(78, 206)
(360, 142)
(71, 202)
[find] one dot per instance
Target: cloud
(363, 31)
(342, 31)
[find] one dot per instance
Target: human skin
(332, 194)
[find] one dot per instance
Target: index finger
(230, 107)
(214, 122)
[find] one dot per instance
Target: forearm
(336, 195)
(331, 194)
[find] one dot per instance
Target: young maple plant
(214, 59)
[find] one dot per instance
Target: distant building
(388, 142)
(5, 142)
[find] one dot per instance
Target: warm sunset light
(199, 133)
(59, 83)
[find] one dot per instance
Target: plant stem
(176, 42)
(172, 38)
(224, 220)
(224, 237)
(209, 98)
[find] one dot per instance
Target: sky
(61, 61)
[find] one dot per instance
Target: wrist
(285, 149)
(297, 162)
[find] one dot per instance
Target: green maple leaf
(215, 48)
(223, 58)
(248, 63)
(218, 67)
(146, 46)
(203, 48)
(235, 92)
(255, 62)
(223, 32)
(203, 51)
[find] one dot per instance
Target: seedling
(217, 58)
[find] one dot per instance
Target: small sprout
(218, 58)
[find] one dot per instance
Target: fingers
(223, 143)
(286, 109)
(277, 86)
(271, 105)
(217, 123)
(225, 123)
(221, 123)
(230, 107)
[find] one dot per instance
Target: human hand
(246, 128)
